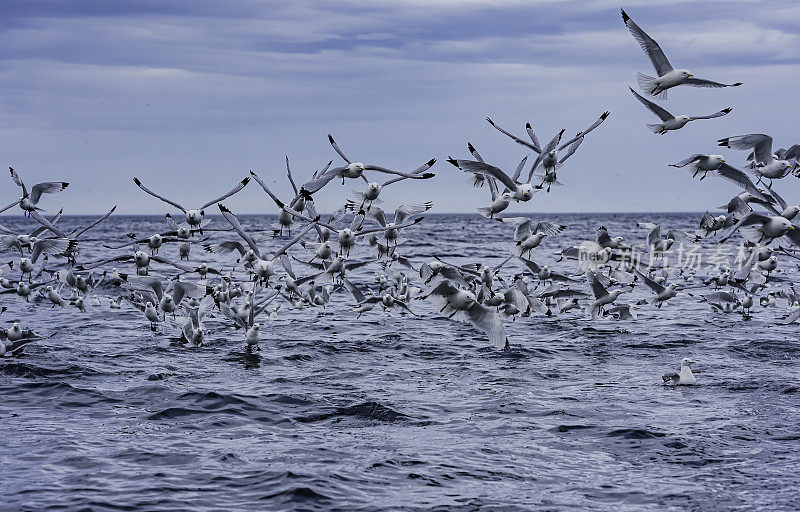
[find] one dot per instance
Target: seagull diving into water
(668, 77)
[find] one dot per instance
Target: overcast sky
(189, 96)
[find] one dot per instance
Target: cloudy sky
(189, 96)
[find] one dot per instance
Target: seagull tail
(477, 180)
(486, 212)
(655, 128)
(646, 84)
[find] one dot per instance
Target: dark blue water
(402, 413)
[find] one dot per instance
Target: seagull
(602, 296)
(527, 237)
(684, 378)
(520, 191)
(253, 336)
(484, 318)
(765, 163)
(671, 122)
(29, 200)
(356, 169)
(715, 164)
(668, 77)
(710, 224)
(194, 217)
(663, 293)
(549, 155)
(770, 227)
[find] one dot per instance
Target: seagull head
(194, 217)
(356, 167)
(687, 361)
(525, 192)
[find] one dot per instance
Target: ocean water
(394, 412)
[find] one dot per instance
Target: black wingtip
(605, 114)
(490, 121)
(64, 184)
(246, 181)
(330, 139)
(528, 126)
(430, 162)
(428, 175)
(223, 208)
(625, 16)
(727, 110)
(737, 84)
(252, 173)
(136, 180)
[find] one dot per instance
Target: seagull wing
(50, 187)
(336, 148)
(239, 186)
(649, 45)
(516, 139)
(147, 190)
(748, 220)
(515, 177)
(686, 161)
(582, 134)
(657, 288)
(597, 288)
(487, 320)
(473, 166)
(723, 112)
(94, 224)
(237, 226)
(46, 223)
(661, 112)
(759, 142)
(734, 175)
(702, 82)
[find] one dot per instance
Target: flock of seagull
(315, 262)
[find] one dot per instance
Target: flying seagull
(668, 121)
(765, 163)
(668, 76)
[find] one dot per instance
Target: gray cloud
(191, 95)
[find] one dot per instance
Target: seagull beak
(692, 362)
(690, 119)
(690, 74)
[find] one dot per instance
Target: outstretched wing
(723, 112)
(661, 112)
(759, 142)
(516, 139)
(686, 161)
(734, 175)
(481, 167)
(239, 186)
(649, 45)
(147, 190)
(237, 226)
(49, 187)
(702, 82)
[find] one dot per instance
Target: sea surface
(394, 412)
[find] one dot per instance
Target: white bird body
(684, 378)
